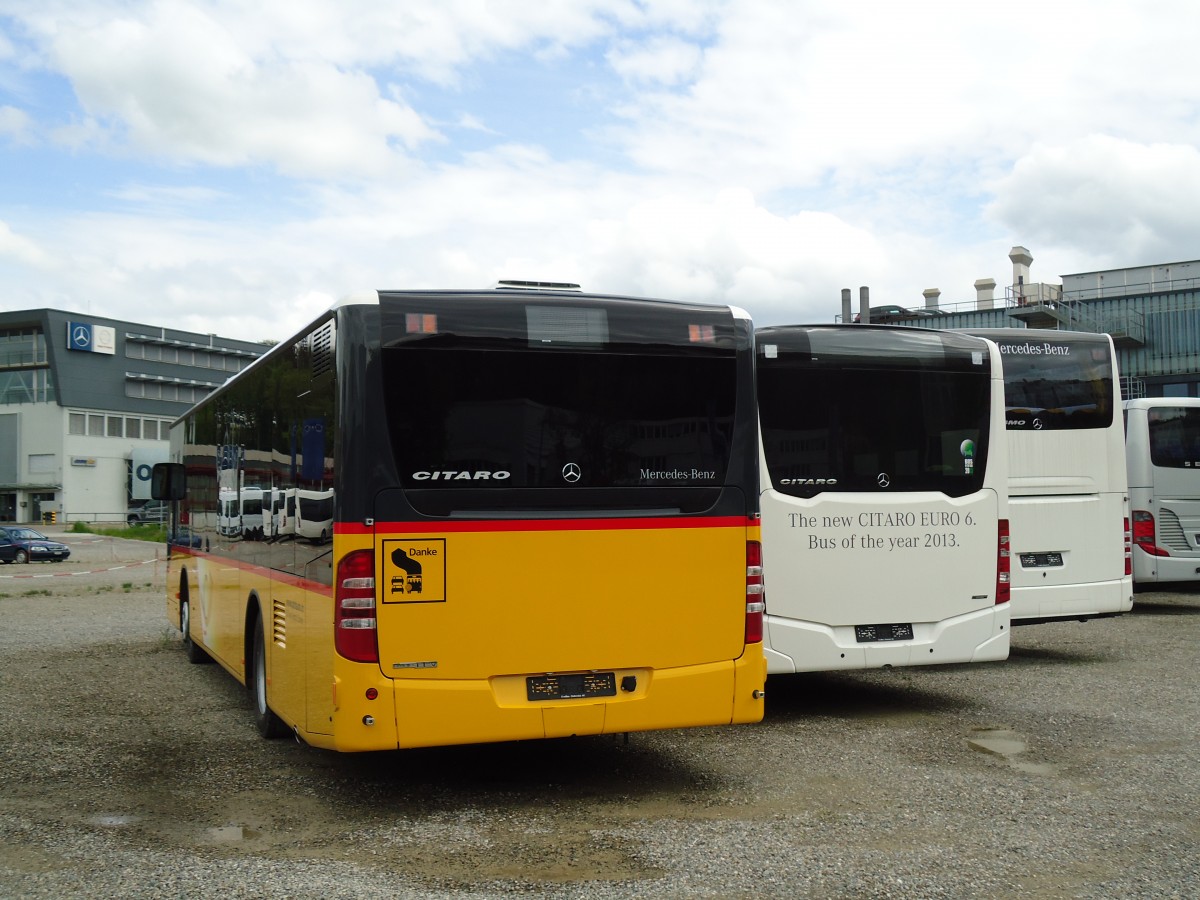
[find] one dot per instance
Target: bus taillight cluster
(1003, 564)
(1143, 533)
(755, 598)
(355, 625)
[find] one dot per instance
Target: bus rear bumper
(799, 646)
(434, 713)
(1072, 601)
(1151, 569)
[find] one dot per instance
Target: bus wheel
(269, 725)
(193, 651)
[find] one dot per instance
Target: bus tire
(190, 647)
(269, 725)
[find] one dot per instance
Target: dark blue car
(22, 545)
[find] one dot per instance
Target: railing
(1132, 387)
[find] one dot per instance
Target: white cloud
(22, 250)
(664, 59)
(1107, 198)
(14, 124)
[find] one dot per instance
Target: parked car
(24, 545)
(151, 511)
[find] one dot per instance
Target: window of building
(134, 350)
(76, 423)
(42, 463)
(116, 426)
(133, 428)
(150, 429)
(96, 425)
(1175, 390)
(22, 347)
(26, 386)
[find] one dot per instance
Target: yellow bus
(534, 514)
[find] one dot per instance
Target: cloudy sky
(235, 167)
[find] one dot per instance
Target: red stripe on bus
(475, 525)
(276, 575)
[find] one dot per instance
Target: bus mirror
(167, 481)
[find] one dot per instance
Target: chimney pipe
(985, 293)
(1021, 260)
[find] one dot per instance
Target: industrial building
(85, 407)
(1151, 312)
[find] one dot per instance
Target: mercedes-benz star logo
(80, 336)
(571, 473)
(882, 479)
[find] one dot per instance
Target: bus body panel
(478, 690)
(1067, 487)
(1171, 493)
(1056, 575)
(549, 598)
(939, 549)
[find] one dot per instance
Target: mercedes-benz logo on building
(80, 336)
(571, 473)
(882, 479)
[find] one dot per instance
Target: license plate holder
(571, 686)
(873, 634)
(1041, 560)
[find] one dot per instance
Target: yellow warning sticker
(414, 570)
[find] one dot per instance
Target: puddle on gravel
(1008, 745)
(227, 834)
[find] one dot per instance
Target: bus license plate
(571, 687)
(869, 634)
(1040, 560)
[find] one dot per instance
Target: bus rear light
(420, 323)
(755, 593)
(702, 334)
(1143, 533)
(1003, 564)
(354, 620)
(1128, 548)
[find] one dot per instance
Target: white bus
(1068, 498)
(1162, 436)
(883, 467)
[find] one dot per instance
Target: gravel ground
(1071, 770)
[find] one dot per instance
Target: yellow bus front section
(498, 633)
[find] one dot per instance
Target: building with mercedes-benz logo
(85, 407)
